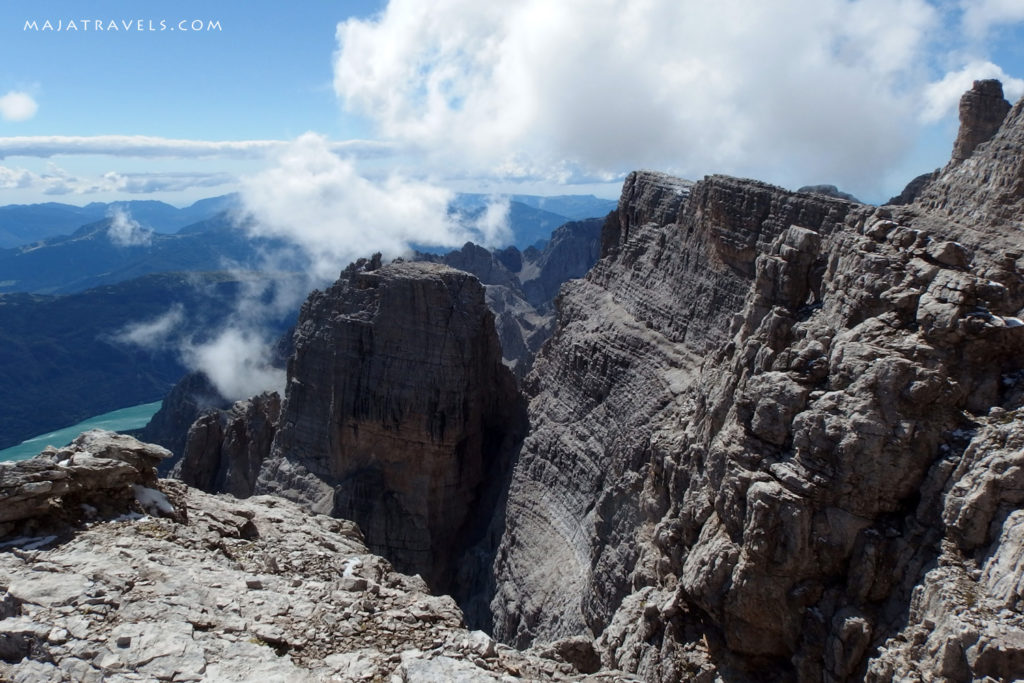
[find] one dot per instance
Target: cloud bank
(791, 91)
(17, 106)
(58, 181)
(807, 88)
(319, 202)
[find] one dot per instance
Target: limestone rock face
(187, 400)
(775, 435)
(521, 286)
(982, 110)
(979, 199)
(246, 590)
(399, 413)
(571, 252)
(225, 449)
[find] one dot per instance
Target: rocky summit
(774, 436)
(157, 581)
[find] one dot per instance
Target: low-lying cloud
(321, 203)
(152, 334)
(58, 181)
(125, 231)
(238, 362)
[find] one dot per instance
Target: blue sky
(558, 96)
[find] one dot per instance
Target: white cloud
(980, 16)
(237, 361)
(322, 204)
(156, 147)
(943, 96)
(125, 231)
(58, 181)
(784, 89)
(17, 106)
(15, 178)
(152, 334)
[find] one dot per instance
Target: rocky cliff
(772, 436)
(399, 413)
(192, 396)
(982, 111)
(225, 449)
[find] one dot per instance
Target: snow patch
(349, 567)
(152, 501)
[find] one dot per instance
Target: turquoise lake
(134, 417)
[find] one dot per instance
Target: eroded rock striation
(224, 449)
(774, 436)
(399, 413)
(192, 396)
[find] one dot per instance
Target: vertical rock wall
(398, 412)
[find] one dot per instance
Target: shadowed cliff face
(398, 412)
(760, 424)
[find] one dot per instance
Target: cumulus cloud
(778, 89)
(152, 334)
(17, 106)
(157, 147)
(319, 201)
(943, 96)
(125, 231)
(980, 16)
(15, 178)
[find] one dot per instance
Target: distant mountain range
(91, 255)
(532, 218)
(26, 223)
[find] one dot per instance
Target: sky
(182, 100)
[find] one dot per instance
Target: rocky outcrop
(97, 473)
(982, 110)
(399, 414)
(521, 286)
(828, 191)
(773, 436)
(225, 449)
(192, 396)
(914, 189)
(980, 200)
(573, 249)
(234, 590)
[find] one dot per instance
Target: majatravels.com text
(122, 25)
